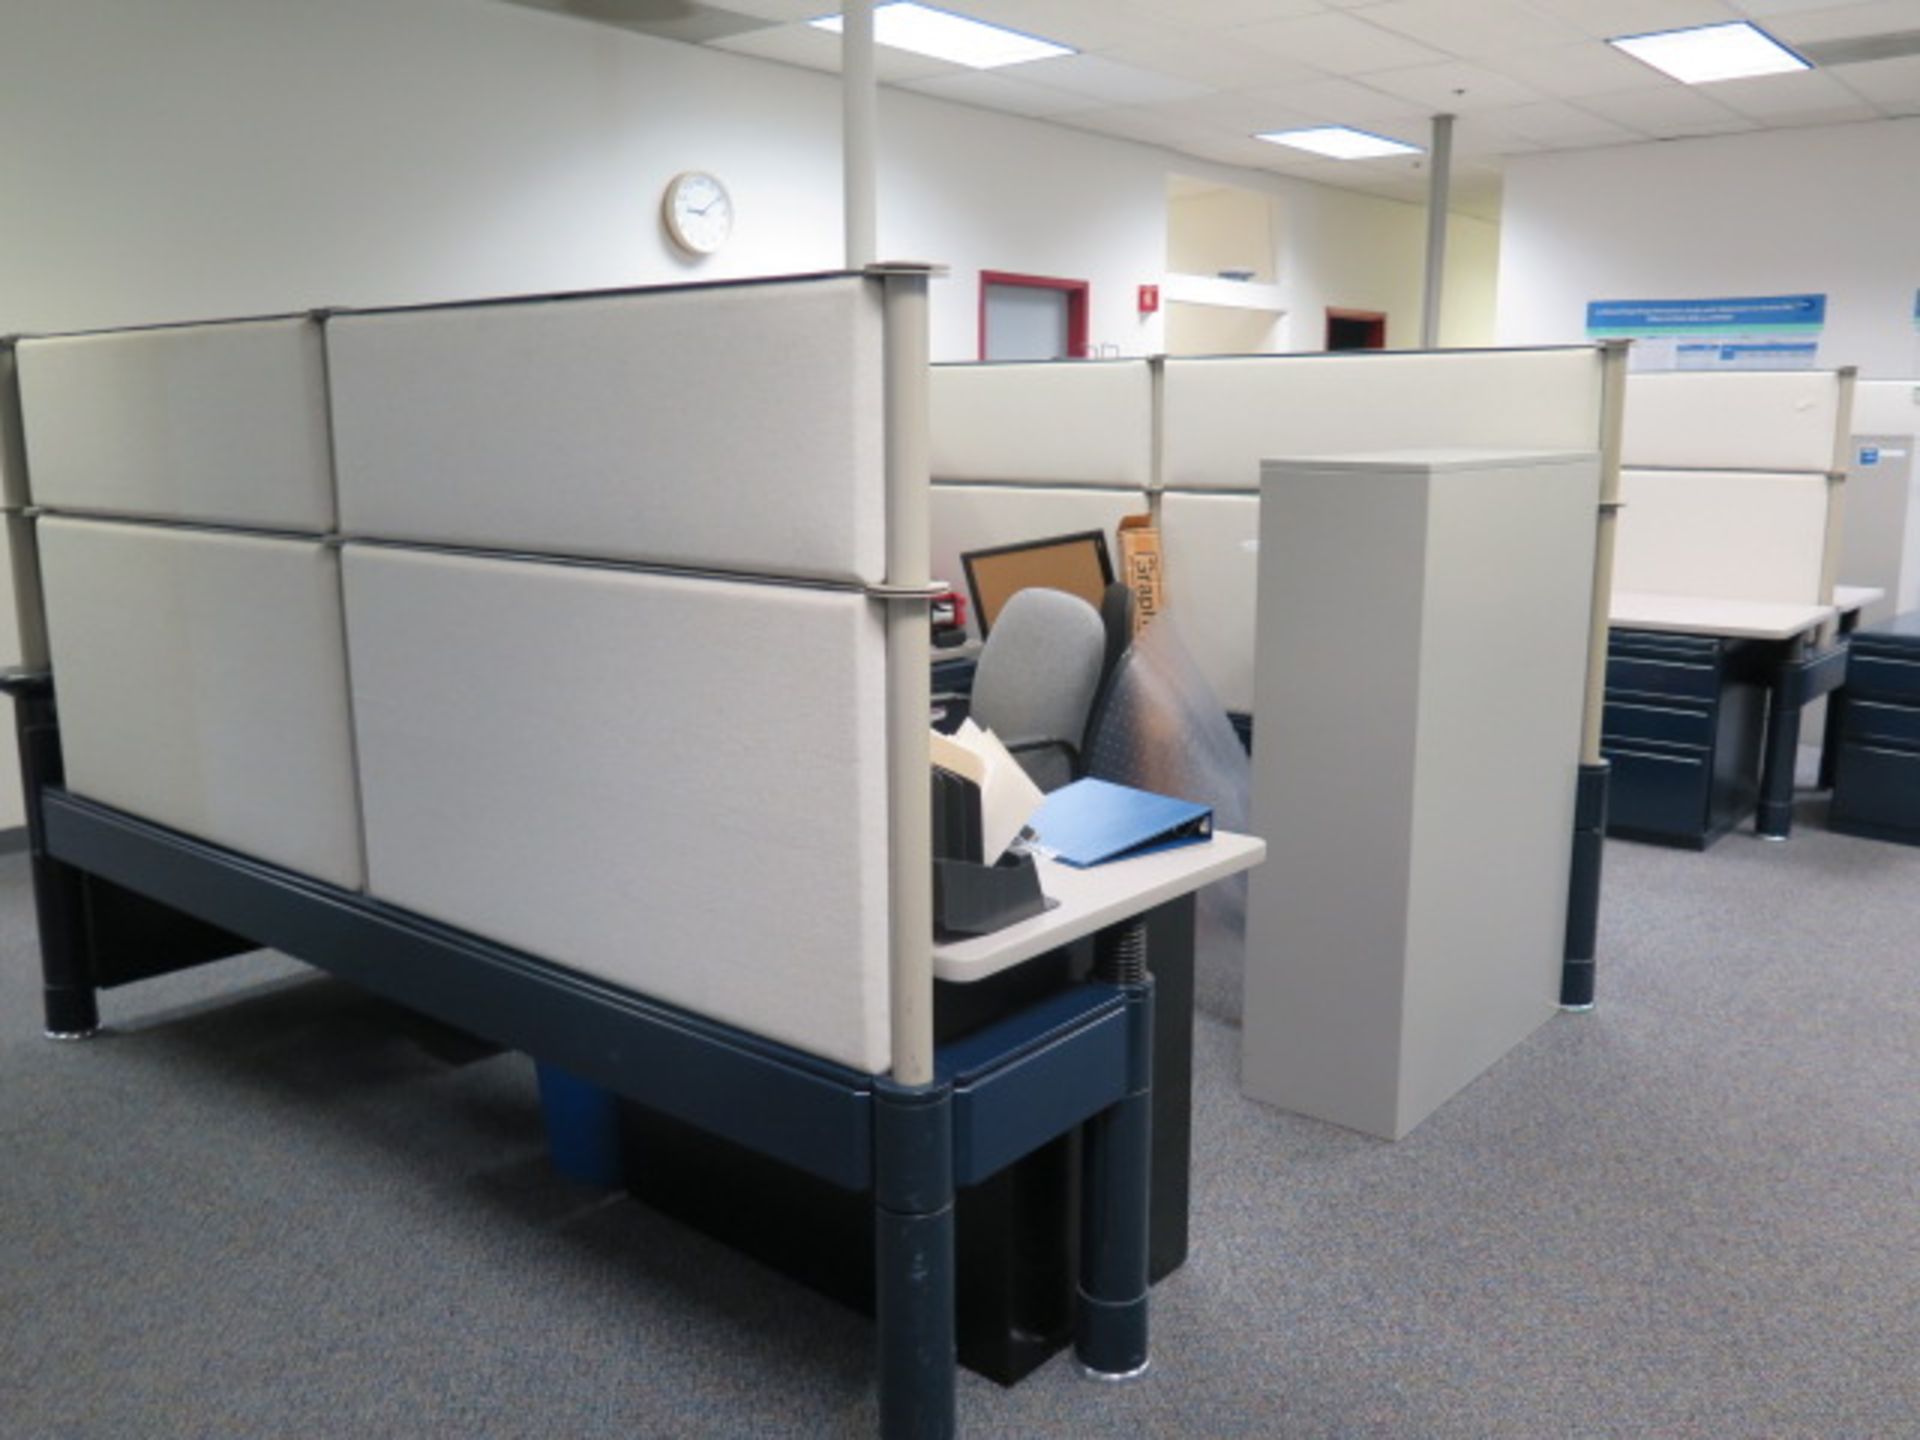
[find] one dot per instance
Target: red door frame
(1377, 318)
(1077, 292)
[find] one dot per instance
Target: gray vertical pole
(1439, 193)
(859, 122)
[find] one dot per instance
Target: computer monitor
(1077, 564)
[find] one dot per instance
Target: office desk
(1704, 699)
(1017, 1230)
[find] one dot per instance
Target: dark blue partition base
(1583, 893)
(1010, 1089)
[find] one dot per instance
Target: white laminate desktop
(1708, 615)
(1092, 898)
(1848, 599)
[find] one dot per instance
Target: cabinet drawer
(1872, 720)
(1667, 724)
(1656, 794)
(1877, 787)
(1638, 675)
(1881, 677)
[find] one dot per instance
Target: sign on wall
(1756, 332)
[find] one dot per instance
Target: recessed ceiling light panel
(1342, 142)
(943, 35)
(1712, 52)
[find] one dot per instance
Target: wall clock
(698, 212)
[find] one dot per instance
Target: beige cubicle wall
(1733, 485)
(1024, 450)
(585, 659)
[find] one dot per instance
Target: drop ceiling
(1199, 77)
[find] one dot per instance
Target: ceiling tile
(1844, 22)
(1566, 72)
(1239, 112)
(1776, 97)
(1485, 137)
(1133, 122)
(1472, 27)
(1604, 18)
(1893, 85)
(1765, 9)
(1083, 24)
(782, 9)
(1337, 43)
(820, 50)
(990, 90)
(1105, 80)
(1553, 125)
(1452, 87)
(1348, 102)
(1667, 113)
(1210, 59)
(1215, 14)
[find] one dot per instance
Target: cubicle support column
(913, 1259)
(1590, 803)
(59, 901)
(1110, 1338)
(1583, 896)
(909, 698)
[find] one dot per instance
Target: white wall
(182, 159)
(1834, 209)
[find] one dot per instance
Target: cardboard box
(1140, 567)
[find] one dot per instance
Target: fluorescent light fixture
(946, 36)
(1712, 52)
(1342, 142)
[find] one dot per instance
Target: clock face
(699, 212)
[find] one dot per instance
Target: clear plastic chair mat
(1163, 728)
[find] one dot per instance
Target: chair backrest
(1036, 679)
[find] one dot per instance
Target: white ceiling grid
(1199, 77)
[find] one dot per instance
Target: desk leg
(913, 1259)
(1830, 736)
(1111, 1334)
(1170, 958)
(1775, 819)
(1583, 891)
(59, 896)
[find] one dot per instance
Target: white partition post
(1613, 403)
(29, 612)
(909, 800)
(859, 97)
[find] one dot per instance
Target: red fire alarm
(1149, 299)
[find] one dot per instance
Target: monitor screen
(1077, 564)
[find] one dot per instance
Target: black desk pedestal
(1016, 1233)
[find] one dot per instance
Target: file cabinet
(1876, 775)
(1683, 725)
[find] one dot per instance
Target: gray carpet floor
(264, 1205)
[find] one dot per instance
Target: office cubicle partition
(1726, 582)
(557, 667)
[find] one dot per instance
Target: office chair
(1036, 680)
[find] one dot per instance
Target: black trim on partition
(808, 1112)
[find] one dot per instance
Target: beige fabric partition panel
(1072, 422)
(1210, 545)
(734, 428)
(675, 784)
(1224, 416)
(225, 424)
(203, 686)
(1728, 535)
(1753, 420)
(979, 517)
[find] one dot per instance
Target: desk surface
(1848, 598)
(1095, 897)
(1704, 615)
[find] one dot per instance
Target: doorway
(1032, 317)
(1356, 329)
